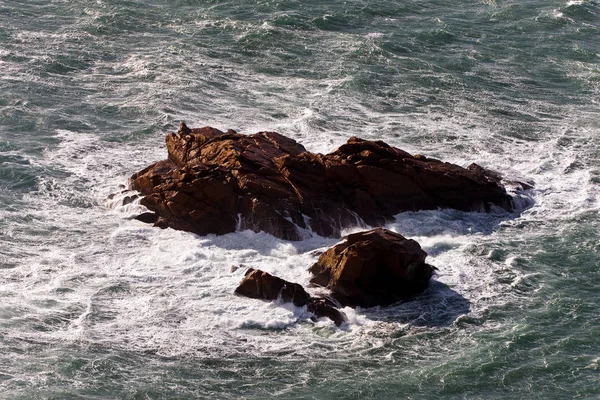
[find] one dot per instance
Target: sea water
(96, 305)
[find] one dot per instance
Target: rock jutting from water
(258, 284)
(219, 182)
(373, 268)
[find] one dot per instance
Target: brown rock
(258, 284)
(217, 182)
(376, 267)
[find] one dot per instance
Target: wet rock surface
(218, 182)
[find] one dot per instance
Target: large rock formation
(258, 284)
(217, 182)
(376, 267)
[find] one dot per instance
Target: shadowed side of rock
(217, 182)
(258, 284)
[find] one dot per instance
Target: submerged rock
(376, 267)
(258, 284)
(217, 182)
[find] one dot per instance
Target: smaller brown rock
(376, 267)
(258, 284)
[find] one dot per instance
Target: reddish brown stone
(258, 284)
(376, 267)
(215, 182)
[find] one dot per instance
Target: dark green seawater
(95, 305)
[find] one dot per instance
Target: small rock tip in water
(183, 129)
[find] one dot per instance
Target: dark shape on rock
(183, 129)
(324, 308)
(258, 284)
(129, 199)
(376, 267)
(147, 217)
(217, 182)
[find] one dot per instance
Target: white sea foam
(165, 291)
(169, 292)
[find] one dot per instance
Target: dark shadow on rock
(438, 306)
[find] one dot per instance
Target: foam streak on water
(97, 305)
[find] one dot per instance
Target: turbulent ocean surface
(96, 305)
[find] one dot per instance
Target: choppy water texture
(95, 305)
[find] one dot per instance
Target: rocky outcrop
(376, 267)
(217, 182)
(366, 269)
(258, 284)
